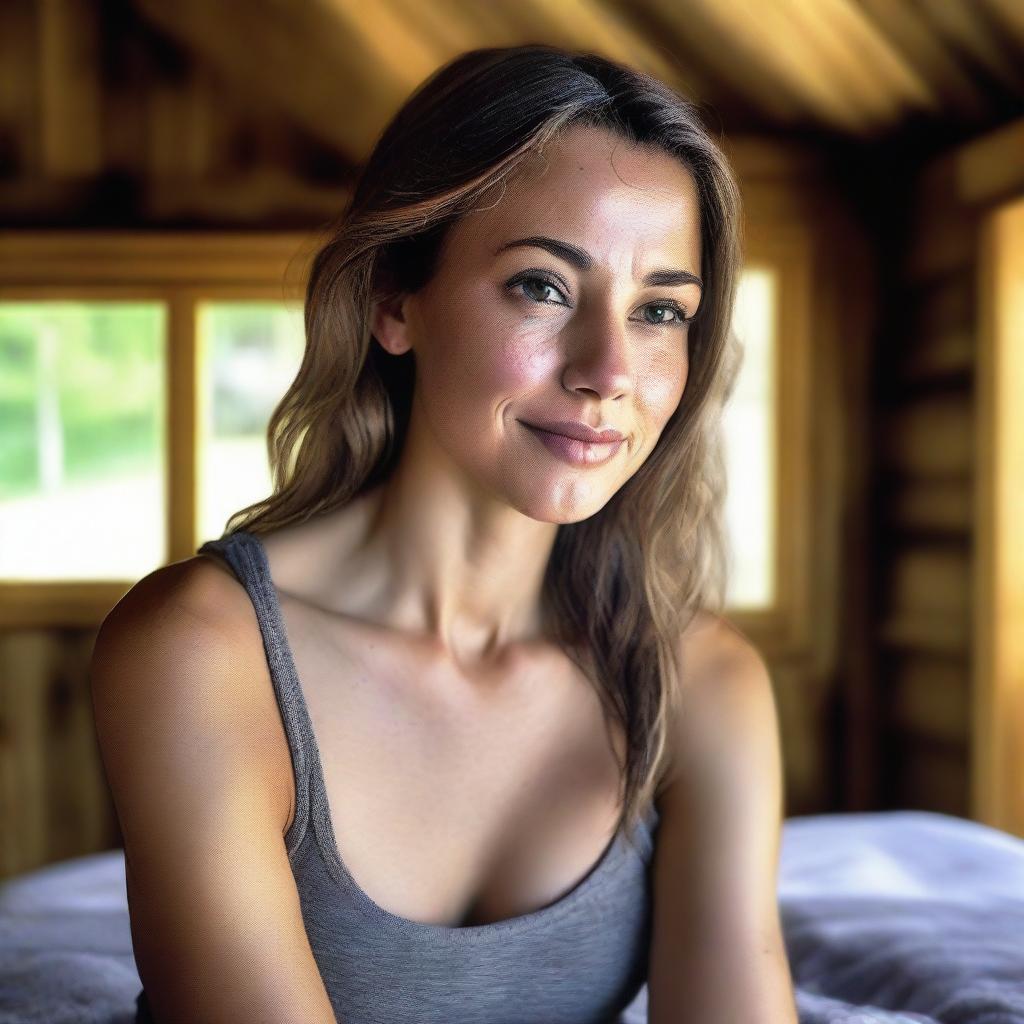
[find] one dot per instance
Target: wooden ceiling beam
(69, 89)
(586, 25)
(864, 64)
(734, 53)
(341, 68)
(1010, 13)
(842, 72)
(909, 33)
(304, 60)
(989, 43)
(773, 41)
(579, 25)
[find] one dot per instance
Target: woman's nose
(598, 354)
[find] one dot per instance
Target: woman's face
(508, 335)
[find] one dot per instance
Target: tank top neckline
(248, 557)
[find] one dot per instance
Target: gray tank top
(579, 960)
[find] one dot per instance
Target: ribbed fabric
(579, 960)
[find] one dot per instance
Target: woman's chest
(456, 799)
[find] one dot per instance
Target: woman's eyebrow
(582, 260)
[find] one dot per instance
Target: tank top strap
(247, 557)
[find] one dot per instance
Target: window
(82, 422)
(750, 442)
(137, 377)
(248, 353)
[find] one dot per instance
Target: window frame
(180, 270)
(785, 626)
(184, 269)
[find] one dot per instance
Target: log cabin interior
(178, 162)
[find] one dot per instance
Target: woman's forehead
(585, 162)
(616, 203)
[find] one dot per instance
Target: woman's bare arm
(718, 954)
(187, 738)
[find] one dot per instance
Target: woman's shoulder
(185, 632)
(180, 657)
(721, 667)
(726, 689)
(711, 641)
(200, 592)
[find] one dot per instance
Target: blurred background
(166, 170)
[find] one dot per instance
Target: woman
(448, 728)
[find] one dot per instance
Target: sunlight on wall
(749, 425)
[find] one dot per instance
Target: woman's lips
(576, 453)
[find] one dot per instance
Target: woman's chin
(571, 507)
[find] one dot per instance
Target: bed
(890, 917)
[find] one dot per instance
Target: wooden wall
(54, 801)
(106, 122)
(818, 653)
(927, 458)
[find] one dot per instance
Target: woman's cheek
(662, 385)
(522, 362)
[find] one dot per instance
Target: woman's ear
(388, 325)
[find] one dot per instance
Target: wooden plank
(308, 61)
(992, 168)
(261, 194)
(19, 89)
(982, 42)
(943, 240)
(181, 428)
(813, 71)
(863, 63)
(607, 29)
(936, 357)
(925, 632)
(53, 604)
(27, 658)
(932, 436)
(809, 776)
(930, 697)
(76, 789)
(942, 304)
(903, 25)
(929, 776)
(979, 173)
(67, 259)
(758, 160)
(927, 506)
(341, 68)
(929, 578)
(71, 95)
(1010, 14)
(997, 796)
(742, 64)
(186, 129)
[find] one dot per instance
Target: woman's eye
(540, 285)
(669, 307)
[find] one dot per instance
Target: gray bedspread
(889, 917)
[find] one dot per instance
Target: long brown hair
(622, 585)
